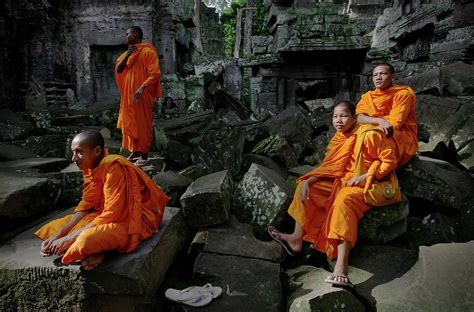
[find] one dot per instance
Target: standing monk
(120, 207)
(137, 74)
(392, 108)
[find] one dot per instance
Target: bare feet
(292, 241)
(91, 262)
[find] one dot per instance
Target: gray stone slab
(173, 184)
(262, 198)
(248, 284)
(43, 164)
(441, 280)
(432, 229)
(237, 239)
(249, 159)
(309, 292)
(300, 170)
(13, 152)
(12, 126)
(207, 200)
(123, 282)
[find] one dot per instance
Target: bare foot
(91, 262)
(294, 242)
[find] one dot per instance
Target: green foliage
(229, 18)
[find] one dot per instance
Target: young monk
(120, 207)
(392, 108)
(329, 200)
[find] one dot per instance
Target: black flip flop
(270, 230)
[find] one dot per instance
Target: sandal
(194, 296)
(272, 230)
(331, 280)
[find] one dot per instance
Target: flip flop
(270, 230)
(140, 162)
(195, 296)
(330, 280)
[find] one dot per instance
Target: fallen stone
(221, 149)
(245, 287)
(42, 164)
(193, 172)
(276, 146)
(428, 82)
(309, 292)
(172, 184)
(441, 280)
(433, 229)
(70, 180)
(207, 200)
(183, 128)
(436, 181)
(254, 132)
(12, 126)
(262, 198)
(13, 152)
(237, 239)
(50, 145)
(177, 154)
(457, 79)
(378, 222)
(249, 159)
(300, 170)
(123, 282)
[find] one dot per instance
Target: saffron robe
(135, 118)
(396, 105)
(122, 203)
(333, 209)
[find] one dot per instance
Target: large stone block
(277, 147)
(207, 200)
(377, 221)
(433, 229)
(248, 284)
(441, 280)
(70, 180)
(262, 198)
(249, 159)
(42, 164)
(12, 126)
(13, 152)
(123, 282)
(309, 292)
(173, 184)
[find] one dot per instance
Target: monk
(392, 108)
(137, 74)
(120, 207)
(329, 200)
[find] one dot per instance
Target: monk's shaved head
(387, 65)
(91, 138)
(351, 107)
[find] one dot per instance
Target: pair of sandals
(275, 234)
(139, 159)
(194, 296)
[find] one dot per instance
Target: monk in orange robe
(392, 108)
(120, 207)
(137, 74)
(329, 200)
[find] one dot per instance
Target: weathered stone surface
(193, 172)
(428, 82)
(70, 180)
(237, 239)
(43, 164)
(177, 154)
(275, 146)
(173, 184)
(262, 198)
(213, 67)
(249, 159)
(221, 149)
(441, 280)
(12, 126)
(433, 229)
(300, 170)
(123, 282)
(245, 287)
(207, 200)
(13, 152)
(371, 266)
(294, 126)
(233, 79)
(377, 219)
(436, 181)
(51, 145)
(195, 90)
(309, 292)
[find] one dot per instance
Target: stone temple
(245, 128)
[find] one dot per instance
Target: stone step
(123, 282)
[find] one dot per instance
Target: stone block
(12, 126)
(441, 280)
(221, 149)
(262, 198)
(42, 164)
(248, 284)
(177, 154)
(70, 180)
(13, 152)
(207, 200)
(309, 292)
(123, 282)
(300, 170)
(277, 147)
(237, 239)
(51, 145)
(173, 184)
(249, 159)
(432, 229)
(384, 234)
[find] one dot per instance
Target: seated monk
(329, 200)
(120, 207)
(392, 108)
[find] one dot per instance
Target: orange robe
(124, 206)
(396, 105)
(135, 118)
(333, 209)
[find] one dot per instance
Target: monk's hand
(131, 49)
(138, 93)
(46, 247)
(304, 191)
(357, 181)
(59, 246)
(386, 127)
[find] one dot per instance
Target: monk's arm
(152, 64)
(403, 102)
(384, 125)
(123, 62)
(383, 149)
(116, 206)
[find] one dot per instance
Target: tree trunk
(248, 28)
(238, 33)
(197, 22)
